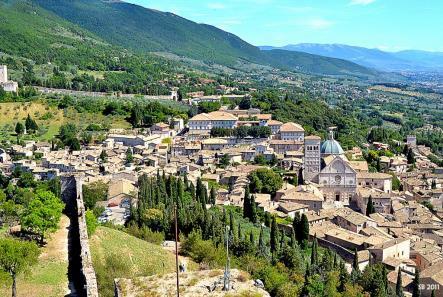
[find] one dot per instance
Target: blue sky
(385, 24)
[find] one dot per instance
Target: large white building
(292, 131)
(7, 85)
(216, 119)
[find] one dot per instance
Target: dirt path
(57, 247)
(48, 278)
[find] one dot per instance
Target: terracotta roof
(290, 127)
(291, 206)
(214, 116)
(313, 137)
(274, 123)
(373, 175)
(359, 165)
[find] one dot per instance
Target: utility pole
(176, 250)
(227, 275)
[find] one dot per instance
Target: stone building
(7, 85)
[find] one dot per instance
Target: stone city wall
(73, 197)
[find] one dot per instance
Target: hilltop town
(390, 214)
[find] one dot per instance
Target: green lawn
(116, 254)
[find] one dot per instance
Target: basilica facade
(326, 165)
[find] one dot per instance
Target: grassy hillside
(49, 119)
(116, 254)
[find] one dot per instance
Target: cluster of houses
(402, 232)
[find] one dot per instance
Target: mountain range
(46, 27)
(408, 60)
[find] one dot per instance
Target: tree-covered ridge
(146, 30)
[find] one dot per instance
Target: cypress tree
(399, 287)
(224, 218)
(247, 204)
(191, 190)
(240, 233)
(268, 220)
(253, 217)
(370, 206)
(282, 240)
(300, 177)
(251, 238)
(293, 240)
(261, 243)
(416, 285)
(231, 222)
(410, 156)
(355, 266)
(296, 226)
(335, 261)
(343, 276)
(433, 293)
(185, 181)
(385, 275)
(304, 229)
(274, 234)
(314, 252)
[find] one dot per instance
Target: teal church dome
(331, 146)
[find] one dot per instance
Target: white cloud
(318, 23)
(216, 5)
(361, 2)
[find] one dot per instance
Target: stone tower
(3, 73)
(312, 162)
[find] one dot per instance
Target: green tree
(370, 207)
(274, 235)
(304, 230)
(396, 184)
(416, 285)
(261, 243)
(67, 132)
(91, 222)
(94, 192)
(129, 156)
(265, 180)
(253, 216)
(42, 214)
(314, 253)
(19, 129)
(213, 196)
(225, 160)
(411, 157)
(30, 124)
(399, 287)
(15, 257)
(247, 204)
(103, 156)
(300, 177)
